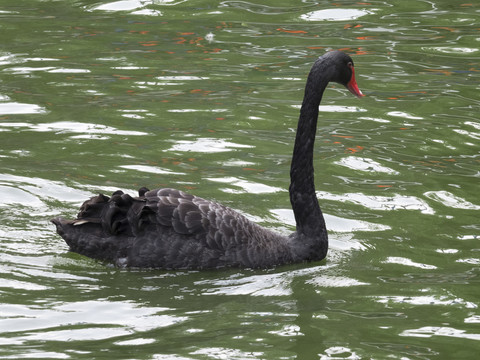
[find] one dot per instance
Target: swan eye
(350, 65)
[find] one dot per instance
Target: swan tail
(104, 227)
(167, 228)
(89, 240)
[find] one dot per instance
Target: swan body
(169, 229)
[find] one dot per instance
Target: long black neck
(308, 216)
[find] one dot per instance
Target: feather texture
(167, 228)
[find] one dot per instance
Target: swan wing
(207, 221)
(168, 228)
(172, 211)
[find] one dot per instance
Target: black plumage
(167, 228)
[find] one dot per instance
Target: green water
(203, 96)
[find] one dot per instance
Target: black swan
(169, 229)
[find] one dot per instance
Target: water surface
(203, 96)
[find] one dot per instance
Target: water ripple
(408, 262)
(365, 164)
(140, 7)
(150, 169)
(206, 145)
(450, 200)
(171, 87)
(33, 191)
(336, 14)
(248, 187)
(427, 300)
(44, 323)
(378, 202)
(20, 108)
(88, 129)
(276, 284)
(429, 331)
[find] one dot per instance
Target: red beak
(352, 85)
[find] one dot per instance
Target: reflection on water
(19, 108)
(137, 5)
(364, 164)
(206, 145)
(48, 69)
(378, 202)
(246, 186)
(408, 262)
(453, 50)
(150, 169)
(336, 14)
(204, 96)
(68, 127)
(278, 284)
(427, 300)
(133, 318)
(32, 192)
(448, 199)
(429, 331)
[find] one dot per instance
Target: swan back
(167, 228)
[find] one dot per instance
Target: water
(203, 96)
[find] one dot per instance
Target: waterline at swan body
(169, 229)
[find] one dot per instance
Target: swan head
(343, 71)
